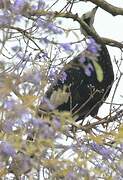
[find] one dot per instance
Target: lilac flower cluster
(21, 164)
(24, 119)
(100, 149)
(33, 77)
(16, 48)
(41, 4)
(54, 75)
(51, 27)
(71, 176)
(6, 150)
(18, 6)
(90, 55)
(42, 129)
(9, 104)
(44, 102)
(89, 69)
(87, 66)
(45, 40)
(7, 126)
(56, 122)
(63, 76)
(33, 127)
(66, 47)
(5, 19)
(82, 59)
(92, 46)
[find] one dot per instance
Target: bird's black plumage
(85, 91)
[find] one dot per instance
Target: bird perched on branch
(87, 79)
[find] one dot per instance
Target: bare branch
(91, 32)
(108, 7)
(103, 121)
(24, 33)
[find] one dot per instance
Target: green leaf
(99, 71)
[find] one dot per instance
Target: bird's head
(88, 18)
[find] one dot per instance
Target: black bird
(89, 78)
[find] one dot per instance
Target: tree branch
(87, 128)
(108, 7)
(24, 33)
(90, 31)
(75, 17)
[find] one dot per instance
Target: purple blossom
(45, 55)
(66, 46)
(92, 46)
(71, 176)
(24, 58)
(46, 104)
(33, 77)
(121, 147)
(82, 59)
(16, 48)
(21, 164)
(105, 152)
(52, 27)
(99, 165)
(63, 76)
(42, 129)
(5, 19)
(47, 132)
(18, 6)
(6, 149)
(9, 104)
(41, 4)
(45, 40)
(25, 116)
(52, 74)
(120, 169)
(83, 172)
(41, 23)
(84, 148)
(37, 122)
(41, 55)
(2, 165)
(88, 69)
(56, 122)
(44, 24)
(7, 126)
(34, 7)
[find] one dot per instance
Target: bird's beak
(92, 16)
(88, 18)
(93, 12)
